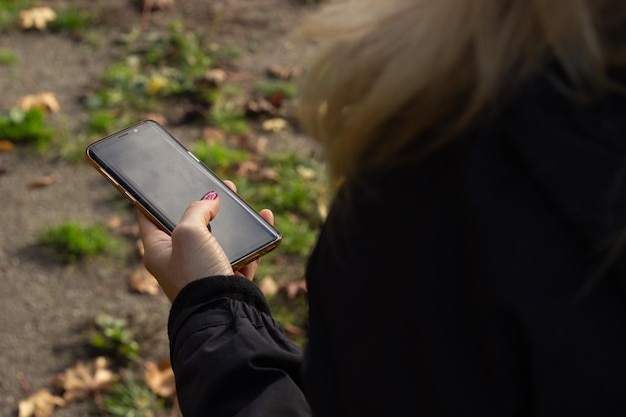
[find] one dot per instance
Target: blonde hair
(391, 71)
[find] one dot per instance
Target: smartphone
(161, 178)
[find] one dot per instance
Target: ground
(47, 308)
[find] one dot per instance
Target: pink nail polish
(211, 195)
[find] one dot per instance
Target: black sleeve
(229, 356)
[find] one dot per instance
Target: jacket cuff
(212, 288)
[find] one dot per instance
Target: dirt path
(47, 309)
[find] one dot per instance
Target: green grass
(71, 21)
(72, 241)
(26, 128)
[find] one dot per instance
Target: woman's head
(396, 70)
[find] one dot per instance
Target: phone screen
(164, 177)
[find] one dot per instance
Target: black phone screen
(165, 178)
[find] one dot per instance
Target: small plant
(231, 120)
(156, 67)
(26, 127)
(102, 121)
(114, 336)
(9, 10)
(72, 241)
(302, 187)
(7, 57)
(71, 21)
(272, 87)
(131, 397)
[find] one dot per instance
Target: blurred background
(82, 324)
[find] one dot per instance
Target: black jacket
(474, 283)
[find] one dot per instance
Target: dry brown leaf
(260, 106)
(143, 282)
(284, 72)
(294, 288)
(160, 378)
(40, 404)
(213, 134)
(268, 286)
(43, 181)
(6, 146)
(276, 99)
(84, 379)
(45, 101)
(36, 18)
(114, 222)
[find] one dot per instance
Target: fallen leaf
(43, 181)
(294, 288)
(213, 134)
(284, 72)
(45, 101)
(276, 99)
(114, 222)
(143, 282)
(40, 404)
(275, 125)
(268, 286)
(36, 18)
(253, 170)
(85, 379)
(260, 106)
(306, 172)
(6, 146)
(160, 378)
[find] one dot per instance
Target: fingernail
(211, 195)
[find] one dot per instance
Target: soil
(47, 307)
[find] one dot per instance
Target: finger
(268, 215)
(199, 214)
(248, 271)
(148, 230)
(157, 244)
(231, 185)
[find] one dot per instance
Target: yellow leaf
(275, 125)
(160, 378)
(40, 404)
(37, 18)
(268, 286)
(45, 101)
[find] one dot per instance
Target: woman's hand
(191, 252)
